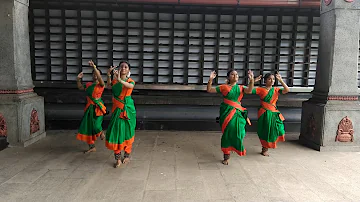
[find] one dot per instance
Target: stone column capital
(328, 5)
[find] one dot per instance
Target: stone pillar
(22, 117)
(331, 118)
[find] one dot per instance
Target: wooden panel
(172, 44)
(284, 3)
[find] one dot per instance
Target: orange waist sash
(118, 103)
(237, 106)
(100, 108)
(270, 107)
(234, 104)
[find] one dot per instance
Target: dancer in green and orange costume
(91, 123)
(233, 116)
(270, 120)
(121, 131)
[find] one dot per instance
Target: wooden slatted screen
(172, 44)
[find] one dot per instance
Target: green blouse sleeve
(218, 90)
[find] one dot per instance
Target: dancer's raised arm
(286, 88)
(209, 87)
(78, 81)
(249, 89)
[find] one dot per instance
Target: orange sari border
(229, 149)
(90, 139)
(272, 144)
(227, 120)
(225, 89)
(116, 147)
(275, 96)
(261, 112)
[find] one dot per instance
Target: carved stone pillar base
(333, 126)
(24, 117)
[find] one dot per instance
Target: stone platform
(176, 166)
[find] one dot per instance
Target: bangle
(109, 75)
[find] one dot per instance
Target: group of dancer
(233, 117)
(121, 130)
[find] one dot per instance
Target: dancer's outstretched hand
(278, 76)
(80, 75)
(213, 75)
(250, 74)
(91, 63)
(116, 73)
(258, 78)
(111, 69)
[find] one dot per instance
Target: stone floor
(176, 166)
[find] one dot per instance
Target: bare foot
(90, 150)
(117, 164)
(102, 136)
(126, 160)
(225, 162)
(264, 152)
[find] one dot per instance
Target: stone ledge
(74, 96)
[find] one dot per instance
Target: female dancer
(233, 116)
(91, 123)
(121, 131)
(270, 120)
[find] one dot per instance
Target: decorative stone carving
(3, 127)
(311, 126)
(349, 1)
(16, 91)
(343, 98)
(345, 132)
(327, 2)
(34, 122)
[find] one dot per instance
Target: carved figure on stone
(34, 122)
(345, 132)
(327, 2)
(3, 127)
(311, 126)
(349, 1)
